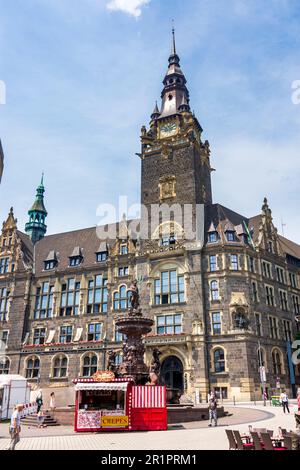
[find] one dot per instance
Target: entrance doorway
(172, 373)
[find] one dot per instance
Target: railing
(29, 409)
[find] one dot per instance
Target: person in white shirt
(284, 401)
(15, 427)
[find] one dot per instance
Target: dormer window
(101, 256)
(123, 249)
(230, 235)
(51, 261)
(76, 257)
(213, 237)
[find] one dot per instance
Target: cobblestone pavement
(180, 437)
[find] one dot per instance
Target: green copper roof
(38, 205)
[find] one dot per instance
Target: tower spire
(36, 227)
(174, 40)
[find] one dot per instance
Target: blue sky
(82, 77)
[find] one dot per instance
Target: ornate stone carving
(167, 187)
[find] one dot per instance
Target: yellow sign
(103, 376)
(114, 421)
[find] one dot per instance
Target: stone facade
(216, 302)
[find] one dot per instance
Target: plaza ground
(187, 436)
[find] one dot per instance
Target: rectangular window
(4, 297)
(169, 289)
(221, 393)
(169, 324)
(295, 301)
(293, 280)
(258, 324)
(94, 331)
(4, 263)
(97, 295)
(213, 263)
(234, 263)
(251, 265)
(65, 334)
(123, 271)
(280, 275)
(216, 323)
(254, 292)
(273, 328)
(230, 236)
(287, 330)
(270, 296)
(267, 269)
(123, 250)
(49, 265)
(283, 300)
(44, 301)
(39, 336)
(4, 338)
(119, 337)
(101, 256)
(70, 297)
(212, 237)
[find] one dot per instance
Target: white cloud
(132, 7)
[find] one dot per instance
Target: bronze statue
(134, 298)
(111, 361)
(155, 363)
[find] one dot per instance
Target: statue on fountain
(111, 361)
(155, 366)
(134, 300)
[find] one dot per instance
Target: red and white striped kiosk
(105, 403)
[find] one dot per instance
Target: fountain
(133, 325)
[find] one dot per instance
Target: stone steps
(31, 420)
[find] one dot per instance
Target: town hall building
(225, 309)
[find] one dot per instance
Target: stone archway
(171, 373)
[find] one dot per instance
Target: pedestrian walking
(40, 419)
(212, 407)
(15, 427)
(52, 403)
(284, 401)
(39, 400)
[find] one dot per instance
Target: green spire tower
(36, 227)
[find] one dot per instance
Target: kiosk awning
(102, 386)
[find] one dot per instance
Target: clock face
(168, 129)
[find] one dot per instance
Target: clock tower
(175, 160)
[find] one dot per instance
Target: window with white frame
(280, 275)
(283, 300)
(4, 302)
(119, 337)
(60, 366)
(4, 264)
(287, 328)
(118, 359)
(169, 288)
(219, 360)
(266, 269)
(124, 249)
(44, 301)
(70, 297)
(169, 324)
(293, 280)
(296, 304)
(123, 271)
(273, 328)
(101, 256)
(94, 332)
(251, 264)
(258, 324)
(214, 290)
(270, 298)
(212, 237)
(97, 295)
(4, 338)
(277, 365)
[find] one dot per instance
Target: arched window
(4, 365)
(60, 367)
(121, 298)
(214, 290)
(277, 366)
(32, 367)
(261, 357)
(219, 360)
(89, 365)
